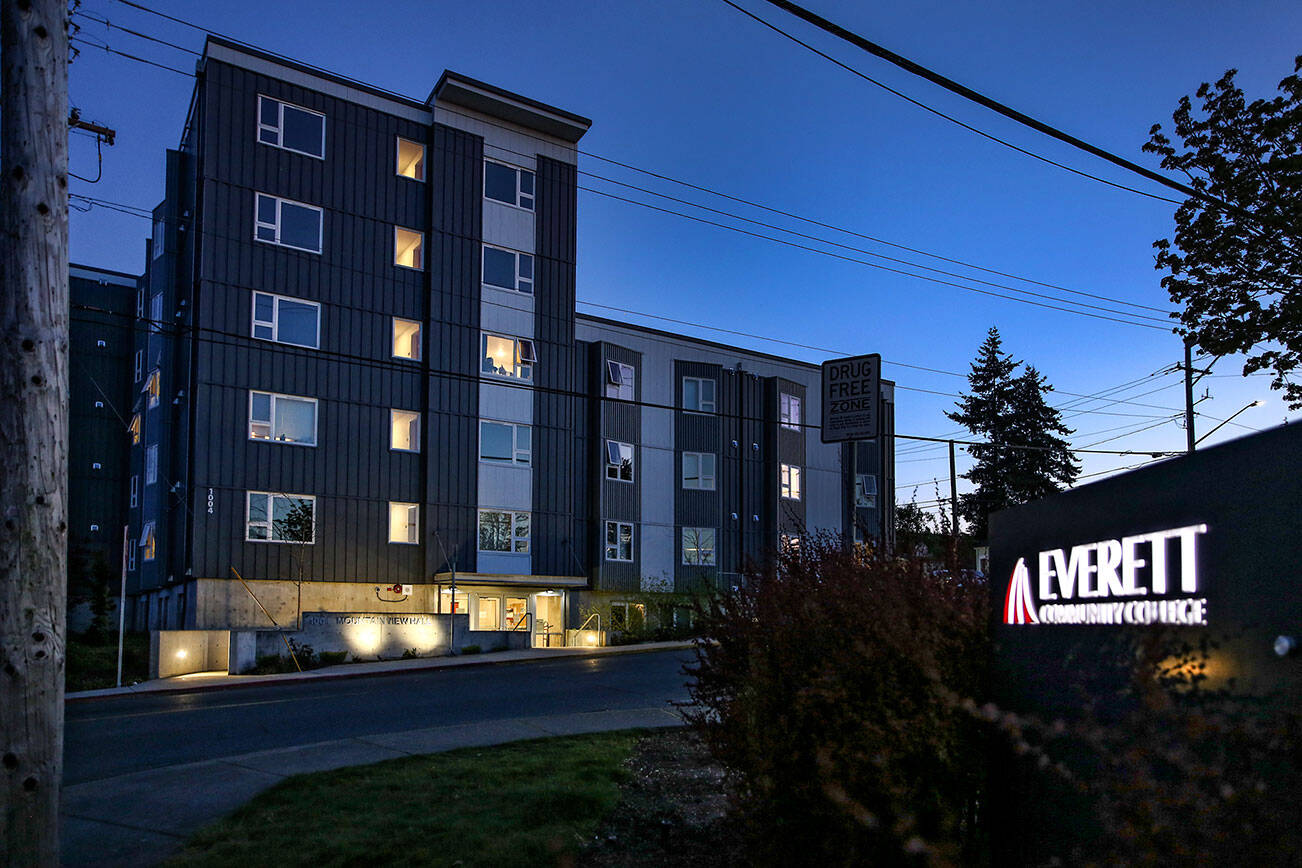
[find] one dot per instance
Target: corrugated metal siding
(790, 449)
(453, 349)
(557, 441)
(620, 501)
(700, 432)
(759, 472)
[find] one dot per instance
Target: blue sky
(693, 90)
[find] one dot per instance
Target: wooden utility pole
(34, 430)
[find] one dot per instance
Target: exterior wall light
(1285, 645)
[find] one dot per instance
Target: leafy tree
(1010, 413)
(914, 526)
(1238, 270)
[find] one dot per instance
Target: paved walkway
(143, 817)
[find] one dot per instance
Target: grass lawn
(528, 803)
(91, 665)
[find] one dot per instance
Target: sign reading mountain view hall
(1110, 578)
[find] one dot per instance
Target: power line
(241, 341)
(778, 228)
(992, 104)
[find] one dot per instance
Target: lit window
(502, 531)
(408, 248)
(504, 183)
(505, 442)
(488, 613)
(287, 223)
(282, 418)
(508, 269)
(134, 428)
(508, 357)
(698, 395)
(135, 491)
(404, 523)
(517, 611)
(291, 127)
(153, 387)
(156, 313)
(286, 320)
(619, 381)
(698, 470)
(619, 461)
(404, 430)
(865, 490)
(698, 546)
(406, 339)
(280, 518)
(151, 464)
(411, 159)
(789, 411)
(160, 243)
(790, 481)
(619, 541)
(147, 542)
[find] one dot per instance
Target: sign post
(852, 390)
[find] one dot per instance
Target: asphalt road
(120, 735)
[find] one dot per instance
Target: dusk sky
(695, 91)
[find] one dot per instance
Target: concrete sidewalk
(219, 680)
(142, 818)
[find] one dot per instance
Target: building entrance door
(548, 620)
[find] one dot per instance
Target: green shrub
(470, 649)
(332, 658)
(829, 686)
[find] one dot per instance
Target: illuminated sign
(1097, 583)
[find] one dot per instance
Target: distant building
(362, 368)
(99, 394)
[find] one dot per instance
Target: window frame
(513, 536)
(139, 366)
(153, 388)
(156, 313)
(270, 522)
(519, 193)
(275, 227)
(788, 402)
(274, 322)
(149, 541)
(632, 541)
(700, 471)
(519, 363)
(135, 491)
(790, 485)
(416, 439)
(134, 428)
(516, 451)
(864, 499)
(420, 247)
(518, 256)
(413, 526)
(700, 408)
(151, 464)
(271, 424)
(393, 339)
(280, 126)
(614, 470)
(713, 550)
(397, 158)
(620, 375)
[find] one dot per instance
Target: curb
(326, 674)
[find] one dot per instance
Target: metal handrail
(584, 625)
(527, 619)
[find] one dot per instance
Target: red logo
(1019, 605)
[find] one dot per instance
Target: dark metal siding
(352, 472)
(698, 432)
(789, 447)
(620, 501)
(558, 440)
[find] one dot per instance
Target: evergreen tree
(1004, 409)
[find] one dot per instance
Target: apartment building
(364, 386)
